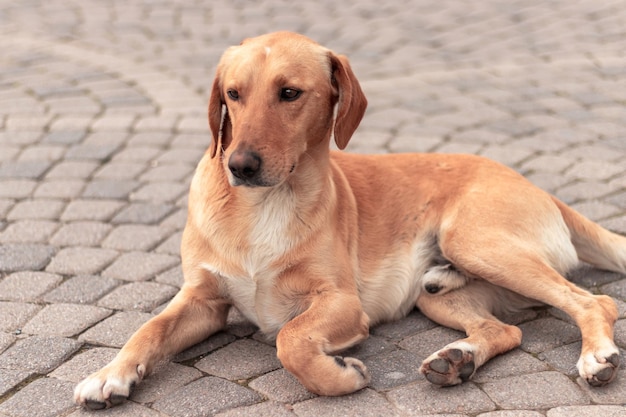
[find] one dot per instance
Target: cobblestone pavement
(103, 118)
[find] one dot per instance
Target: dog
(315, 246)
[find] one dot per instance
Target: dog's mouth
(250, 182)
(249, 169)
(259, 180)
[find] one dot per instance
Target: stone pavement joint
(103, 119)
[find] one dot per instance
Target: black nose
(244, 165)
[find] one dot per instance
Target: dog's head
(273, 100)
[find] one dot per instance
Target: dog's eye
(289, 94)
(233, 94)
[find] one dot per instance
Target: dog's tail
(594, 244)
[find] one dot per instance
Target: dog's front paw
(108, 387)
(449, 366)
(599, 368)
(354, 372)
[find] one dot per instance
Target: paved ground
(102, 120)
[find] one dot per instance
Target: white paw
(108, 387)
(599, 368)
(442, 279)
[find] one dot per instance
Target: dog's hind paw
(449, 366)
(441, 279)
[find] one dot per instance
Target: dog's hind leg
(469, 309)
(525, 272)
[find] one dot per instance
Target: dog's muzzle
(246, 168)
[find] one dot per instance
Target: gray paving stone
(90, 152)
(65, 320)
(110, 189)
(372, 346)
(588, 277)
(611, 394)
(54, 398)
(115, 330)
(515, 362)
(139, 266)
(173, 277)
(393, 369)
(587, 411)
(198, 350)
(29, 231)
(143, 213)
(281, 386)
(81, 289)
(61, 188)
(5, 206)
(563, 358)
(10, 378)
(547, 333)
(511, 413)
(126, 409)
(137, 154)
(426, 343)
(78, 261)
(266, 409)
(6, 340)
(188, 155)
(14, 315)
(46, 153)
(24, 169)
(414, 323)
(192, 399)
(595, 170)
(120, 171)
(423, 398)
(135, 237)
(64, 137)
(171, 245)
(535, 391)
(596, 210)
(363, 403)
(27, 285)
(84, 364)
(94, 210)
(81, 234)
(163, 381)
(151, 139)
(159, 192)
(615, 289)
(40, 354)
(36, 209)
(72, 170)
(140, 296)
(167, 172)
(241, 359)
(178, 219)
(24, 256)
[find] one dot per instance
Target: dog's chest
(251, 289)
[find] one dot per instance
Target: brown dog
(315, 246)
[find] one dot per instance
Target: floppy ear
(215, 115)
(352, 101)
(218, 116)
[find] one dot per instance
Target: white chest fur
(269, 239)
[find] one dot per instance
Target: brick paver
(103, 118)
